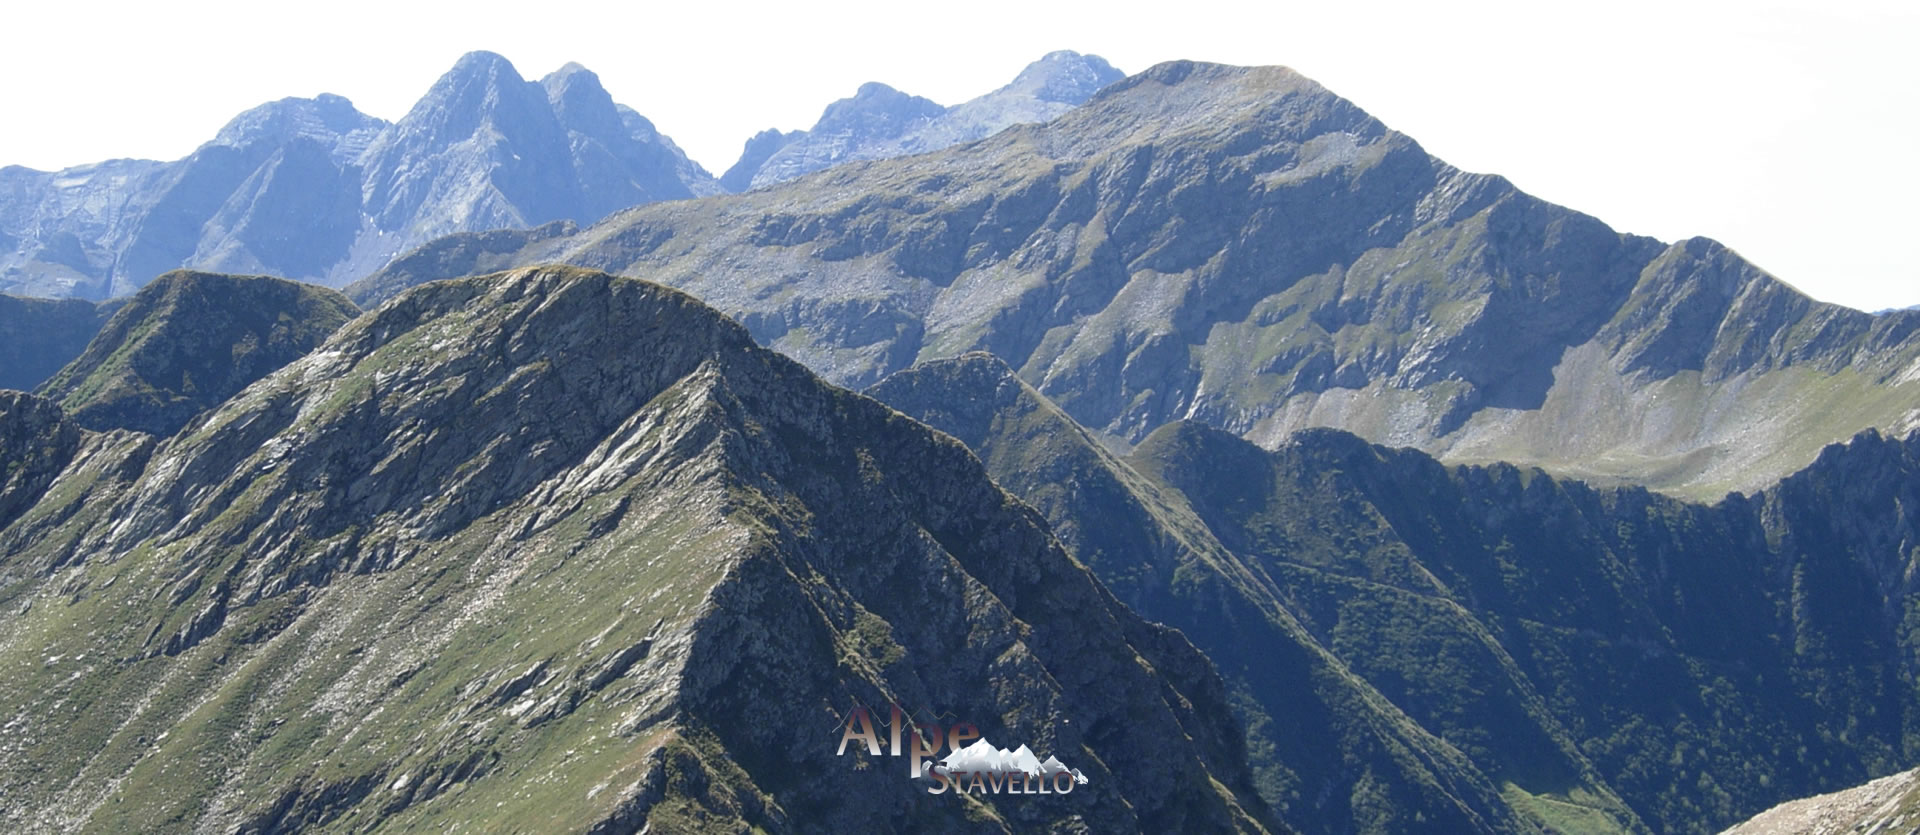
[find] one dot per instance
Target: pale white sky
(1785, 129)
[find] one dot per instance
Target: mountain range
(879, 122)
(1215, 438)
(382, 587)
(1245, 248)
(315, 190)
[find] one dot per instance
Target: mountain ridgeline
(1242, 247)
(1581, 648)
(879, 122)
(421, 600)
(313, 189)
(187, 342)
(1216, 441)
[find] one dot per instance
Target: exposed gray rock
(315, 190)
(880, 122)
(1887, 806)
(876, 116)
(759, 149)
(37, 441)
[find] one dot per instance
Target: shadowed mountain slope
(1242, 247)
(1331, 754)
(1604, 656)
(553, 549)
(40, 336)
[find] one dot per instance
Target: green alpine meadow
(1176, 452)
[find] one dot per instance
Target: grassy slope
(188, 341)
(307, 611)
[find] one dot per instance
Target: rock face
(1242, 247)
(36, 443)
(1887, 806)
(39, 336)
(1612, 659)
(557, 546)
(759, 149)
(880, 122)
(315, 190)
(187, 342)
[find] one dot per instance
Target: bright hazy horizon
(1783, 129)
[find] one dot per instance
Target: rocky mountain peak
(1065, 76)
(573, 79)
(758, 149)
(880, 122)
(581, 103)
(483, 66)
(480, 88)
(328, 119)
(876, 110)
(486, 149)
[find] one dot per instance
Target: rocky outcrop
(187, 342)
(558, 546)
(1565, 640)
(1887, 806)
(760, 147)
(37, 441)
(875, 115)
(313, 189)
